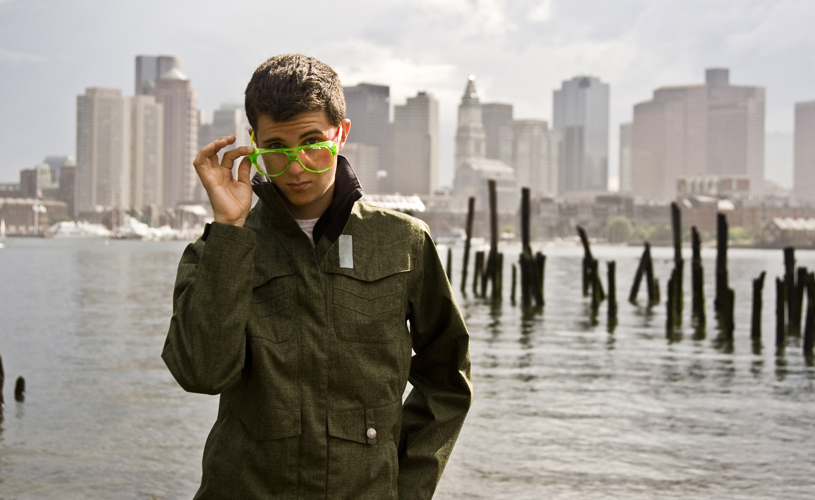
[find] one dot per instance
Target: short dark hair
(290, 84)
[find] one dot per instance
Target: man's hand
(231, 199)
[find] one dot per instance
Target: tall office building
(581, 114)
(531, 149)
(151, 68)
(172, 90)
(714, 129)
(416, 134)
(146, 152)
(625, 158)
(494, 116)
(102, 151)
(228, 119)
(368, 108)
(470, 134)
(365, 161)
(804, 166)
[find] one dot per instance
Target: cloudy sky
(520, 51)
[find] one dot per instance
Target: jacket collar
(347, 191)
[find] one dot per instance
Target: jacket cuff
(218, 234)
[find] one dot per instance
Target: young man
(302, 313)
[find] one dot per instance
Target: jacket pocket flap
(354, 425)
(372, 264)
(267, 269)
(272, 424)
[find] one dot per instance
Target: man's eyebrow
(272, 140)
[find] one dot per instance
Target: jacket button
(371, 433)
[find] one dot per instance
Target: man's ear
(346, 128)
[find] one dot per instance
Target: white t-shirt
(307, 225)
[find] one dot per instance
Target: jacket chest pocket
(368, 302)
(273, 299)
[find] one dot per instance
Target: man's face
(308, 194)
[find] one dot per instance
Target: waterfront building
(625, 158)
(416, 134)
(368, 107)
(56, 162)
(470, 134)
(494, 116)
(173, 91)
(365, 161)
(228, 119)
(146, 152)
(581, 116)
(695, 130)
(102, 151)
(804, 166)
(531, 149)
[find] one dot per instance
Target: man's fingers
(244, 171)
(232, 155)
(211, 149)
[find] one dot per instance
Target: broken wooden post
(2, 381)
(635, 287)
(758, 288)
(478, 269)
(525, 236)
(612, 290)
(809, 328)
(789, 281)
(698, 279)
(722, 286)
(780, 307)
(526, 288)
(595, 291)
(496, 288)
(796, 305)
(729, 308)
(514, 283)
(19, 390)
(450, 265)
(469, 235)
(670, 309)
(587, 260)
(650, 281)
(676, 225)
(498, 284)
(486, 273)
(540, 267)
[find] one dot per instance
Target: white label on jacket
(346, 252)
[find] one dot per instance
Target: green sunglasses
(316, 158)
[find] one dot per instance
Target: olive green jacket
(310, 350)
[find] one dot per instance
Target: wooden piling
(789, 281)
(478, 268)
(514, 283)
(470, 216)
(595, 292)
(796, 305)
(728, 311)
(540, 267)
(486, 273)
(19, 390)
(698, 279)
(2, 381)
(758, 288)
(587, 260)
(809, 327)
(498, 284)
(780, 307)
(670, 309)
(525, 236)
(635, 287)
(612, 289)
(722, 285)
(650, 281)
(450, 265)
(676, 226)
(496, 288)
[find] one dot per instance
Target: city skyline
(520, 52)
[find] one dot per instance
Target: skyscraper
(531, 149)
(149, 69)
(416, 134)
(470, 134)
(625, 157)
(102, 151)
(228, 119)
(494, 116)
(804, 170)
(172, 90)
(368, 108)
(581, 114)
(712, 129)
(146, 152)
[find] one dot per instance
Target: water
(565, 406)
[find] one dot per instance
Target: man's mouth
(298, 186)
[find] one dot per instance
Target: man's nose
(295, 168)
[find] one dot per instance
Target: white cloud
(15, 57)
(542, 12)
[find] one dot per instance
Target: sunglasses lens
(317, 159)
(273, 163)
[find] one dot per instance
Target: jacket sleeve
(206, 344)
(435, 409)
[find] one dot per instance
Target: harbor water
(566, 406)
